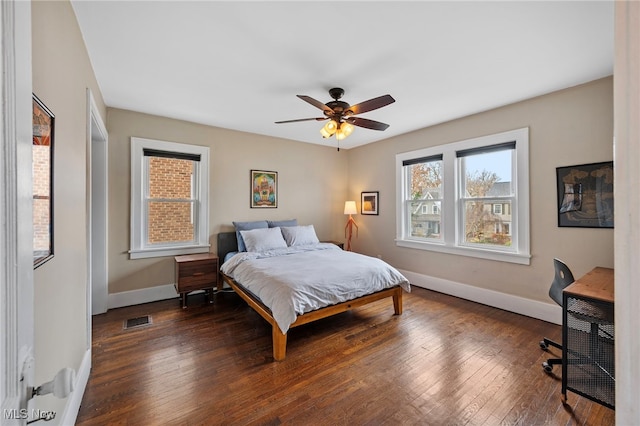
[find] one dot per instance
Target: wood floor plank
(443, 361)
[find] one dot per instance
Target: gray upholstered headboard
(227, 242)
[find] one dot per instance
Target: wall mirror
(42, 173)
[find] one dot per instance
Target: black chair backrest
(563, 277)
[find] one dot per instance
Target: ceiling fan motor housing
(339, 108)
(336, 93)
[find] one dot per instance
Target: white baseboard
(532, 308)
(74, 400)
(144, 295)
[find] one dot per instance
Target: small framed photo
(264, 189)
(369, 202)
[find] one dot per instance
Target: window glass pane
(425, 199)
(170, 201)
(170, 222)
(483, 225)
(488, 175)
(425, 180)
(425, 219)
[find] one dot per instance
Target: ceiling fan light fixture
(329, 129)
(347, 129)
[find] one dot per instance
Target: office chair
(562, 278)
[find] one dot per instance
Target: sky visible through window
(498, 162)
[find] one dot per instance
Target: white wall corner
(532, 308)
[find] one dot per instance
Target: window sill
(500, 256)
(166, 251)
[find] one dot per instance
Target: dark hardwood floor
(444, 361)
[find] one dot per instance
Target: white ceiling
(239, 65)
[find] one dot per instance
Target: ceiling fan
(341, 115)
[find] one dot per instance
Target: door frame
(16, 201)
(97, 214)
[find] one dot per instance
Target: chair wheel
(543, 345)
(548, 368)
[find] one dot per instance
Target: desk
(588, 337)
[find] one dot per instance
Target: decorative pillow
(300, 235)
(245, 226)
(263, 239)
(281, 223)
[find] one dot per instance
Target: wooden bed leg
(279, 343)
(397, 302)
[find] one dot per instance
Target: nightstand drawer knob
(197, 274)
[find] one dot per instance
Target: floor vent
(137, 322)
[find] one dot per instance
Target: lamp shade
(350, 207)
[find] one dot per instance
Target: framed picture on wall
(369, 202)
(585, 195)
(42, 172)
(264, 189)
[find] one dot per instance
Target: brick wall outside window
(41, 197)
(170, 221)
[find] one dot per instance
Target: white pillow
(263, 239)
(300, 235)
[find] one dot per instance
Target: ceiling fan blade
(302, 119)
(372, 104)
(366, 123)
(315, 103)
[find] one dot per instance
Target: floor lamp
(350, 208)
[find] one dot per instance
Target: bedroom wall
(312, 186)
(568, 127)
(61, 75)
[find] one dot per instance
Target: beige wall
(61, 75)
(569, 127)
(312, 185)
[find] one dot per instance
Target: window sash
(515, 205)
(141, 152)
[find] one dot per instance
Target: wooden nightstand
(196, 272)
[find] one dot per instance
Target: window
(477, 197)
(169, 198)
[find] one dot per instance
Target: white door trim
(16, 200)
(97, 213)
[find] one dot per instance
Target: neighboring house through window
(169, 198)
(469, 198)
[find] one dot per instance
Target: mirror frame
(43, 124)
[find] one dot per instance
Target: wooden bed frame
(227, 242)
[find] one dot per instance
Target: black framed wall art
(42, 173)
(585, 195)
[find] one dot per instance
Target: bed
(269, 280)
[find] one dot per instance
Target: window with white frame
(481, 189)
(169, 198)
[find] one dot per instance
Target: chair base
(547, 366)
(545, 343)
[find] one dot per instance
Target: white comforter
(296, 280)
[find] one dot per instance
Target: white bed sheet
(297, 280)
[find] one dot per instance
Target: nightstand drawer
(197, 277)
